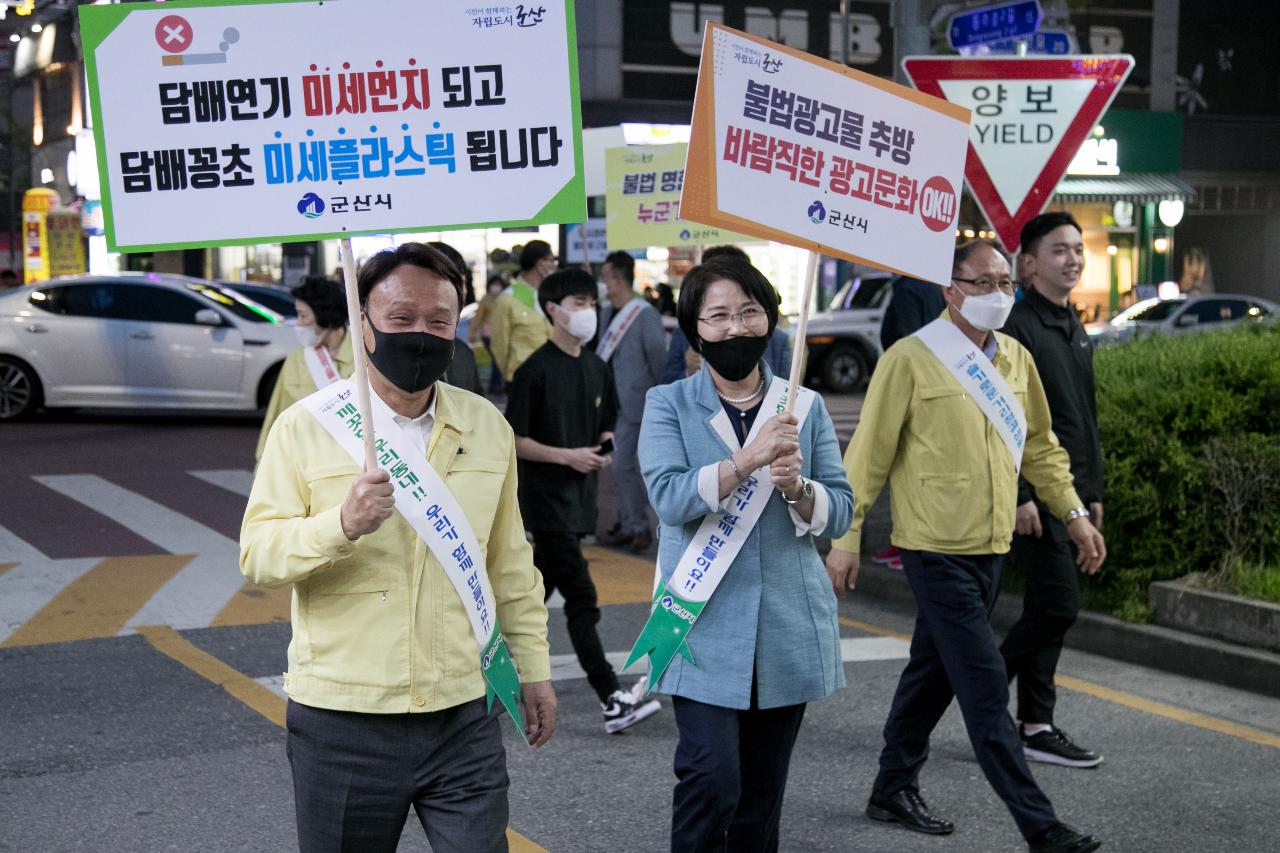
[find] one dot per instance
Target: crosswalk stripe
(566, 667)
(195, 595)
(15, 550)
(100, 601)
(235, 480)
(32, 581)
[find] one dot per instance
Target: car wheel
(20, 391)
(268, 384)
(844, 370)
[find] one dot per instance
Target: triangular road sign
(1030, 116)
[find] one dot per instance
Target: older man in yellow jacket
(952, 414)
(387, 706)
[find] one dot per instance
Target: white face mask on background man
(987, 312)
(581, 323)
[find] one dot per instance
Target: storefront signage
(642, 200)
(1030, 117)
(215, 126)
(792, 148)
(662, 40)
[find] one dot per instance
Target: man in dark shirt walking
(562, 406)
(1044, 322)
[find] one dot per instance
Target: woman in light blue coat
(767, 641)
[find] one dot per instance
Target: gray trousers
(356, 775)
(633, 501)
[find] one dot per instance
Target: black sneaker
(1061, 838)
(1054, 747)
(622, 711)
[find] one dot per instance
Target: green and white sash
(320, 364)
(618, 327)
(678, 602)
(424, 501)
(983, 382)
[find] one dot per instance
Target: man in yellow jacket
(387, 706)
(517, 327)
(951, 414)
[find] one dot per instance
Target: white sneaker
(622, 712)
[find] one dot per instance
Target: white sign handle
(360, 376)
(802, 329)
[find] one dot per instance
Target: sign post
(1030, 117)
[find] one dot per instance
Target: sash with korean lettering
(323, 371)
(424, 501)
(678, 602)
(618, 327)
(983, 382)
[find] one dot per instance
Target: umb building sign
(1031, 115)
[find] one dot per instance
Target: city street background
(141, 708)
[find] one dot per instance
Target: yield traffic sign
(1030, 117)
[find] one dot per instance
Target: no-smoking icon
(173, 34)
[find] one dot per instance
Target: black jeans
(954, 654)
(558, 557)
(356, 775)
(731, 768)
(1049, 609)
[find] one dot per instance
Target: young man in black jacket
(1050, 266)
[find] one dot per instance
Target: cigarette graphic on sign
(174, 35)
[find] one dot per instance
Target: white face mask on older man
(988, 312)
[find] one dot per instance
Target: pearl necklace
(746, 399)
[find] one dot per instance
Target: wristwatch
(1078, 512)
(806, 491)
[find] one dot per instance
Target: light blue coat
(789, 635)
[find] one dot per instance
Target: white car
(137, 340)
(1182, 314)
(844, 340)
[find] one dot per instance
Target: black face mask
(735, 358)
(411, 361)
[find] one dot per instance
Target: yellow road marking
(1169, 712)
(874, 629)
(265, 701)
(4, 567)
(1128, 700)
(620, 578)
(261, 699)
(99, 602)
(256, 605)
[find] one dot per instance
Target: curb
(1152, 646)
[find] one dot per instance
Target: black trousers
(1049, 609)
(953, 653)
(356, 775)
(731, 770)
(558, 557)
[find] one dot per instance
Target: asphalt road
(139, 678)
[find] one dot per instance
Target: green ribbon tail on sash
(501, 679)
(664, 634)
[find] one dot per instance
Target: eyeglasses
(987, 285)
(748, 317)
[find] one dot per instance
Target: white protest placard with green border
(642, 200)
(228, 122)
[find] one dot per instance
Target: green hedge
(1190, 430)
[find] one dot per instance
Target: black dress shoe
(908, 808)
(1061, 838)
